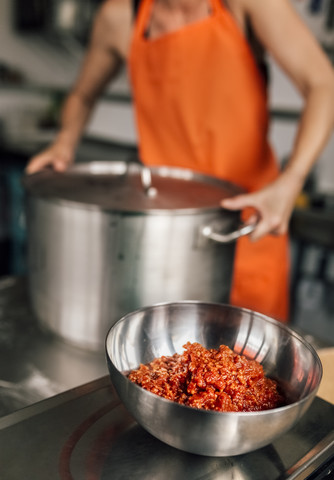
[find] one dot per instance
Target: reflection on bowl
(163, 329)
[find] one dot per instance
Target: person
(200, 99)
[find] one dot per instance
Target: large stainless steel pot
(104, 241)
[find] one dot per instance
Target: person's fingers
(60, 165)
(260, 231)
(37, 163)
(252, 219)
(237, 203)
(269, 226)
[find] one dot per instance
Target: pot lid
(131, 187)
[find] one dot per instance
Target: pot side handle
(244, 229)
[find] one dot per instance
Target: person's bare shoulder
(297, 51)
(113, 26)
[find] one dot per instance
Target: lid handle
(146, 181)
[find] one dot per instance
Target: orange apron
(201, 103)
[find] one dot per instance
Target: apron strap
(135, 7)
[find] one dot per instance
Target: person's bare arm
(291, 44)
(104, 57)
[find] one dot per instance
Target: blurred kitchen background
(41, 46)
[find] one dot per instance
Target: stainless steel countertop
(34, 364)
(81, 430)
(86, 433)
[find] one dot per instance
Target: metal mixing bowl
(163, 329)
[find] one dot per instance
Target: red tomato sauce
(210, 379)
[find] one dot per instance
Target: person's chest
(162, 19)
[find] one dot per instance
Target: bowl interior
(163, 329)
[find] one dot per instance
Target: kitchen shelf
(285, 113)
(60, 91)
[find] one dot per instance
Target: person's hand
(273, 204)
(55, 156)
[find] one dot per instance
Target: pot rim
(97, 168)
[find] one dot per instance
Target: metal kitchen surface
(35, 365)
(86, 433)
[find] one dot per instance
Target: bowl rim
(281, 325)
